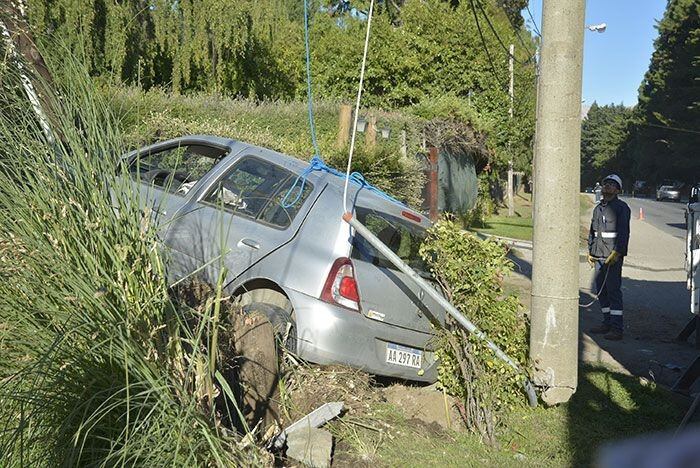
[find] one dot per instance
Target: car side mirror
(693, 195)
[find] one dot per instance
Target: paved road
(666, 216)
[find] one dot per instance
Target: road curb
(523, 244)
(519, 243)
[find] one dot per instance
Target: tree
(665, 134)
(604, 131)
(435, 52)
(421, 51)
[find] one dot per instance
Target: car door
(166, 177)
(245, 212)
(693, 256)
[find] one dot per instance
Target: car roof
(361, 196)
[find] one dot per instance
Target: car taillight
(340, 287)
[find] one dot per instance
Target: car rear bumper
(327, 334)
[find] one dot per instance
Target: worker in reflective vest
(607, 247)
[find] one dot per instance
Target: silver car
(274, 230)
(668, 192)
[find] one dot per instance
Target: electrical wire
(534, 24)
(357, 107)
(678, 129)
(595, 297)
(498, 38)
(517, 31)
(309, 97)
(483, 42)
(316, 163)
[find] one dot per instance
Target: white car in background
(668, 192)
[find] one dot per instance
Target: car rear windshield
(403, 238)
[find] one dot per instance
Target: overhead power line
(483, 42)
(517, 31)
(668, 127)
(534, 23)
(498, 38)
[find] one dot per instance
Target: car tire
(282, 322)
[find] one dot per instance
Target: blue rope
(309, 97)
(316, 163)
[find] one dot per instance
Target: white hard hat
(616, 178)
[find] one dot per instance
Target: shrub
(471, 272)
(97, 366)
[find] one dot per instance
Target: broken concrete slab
(310, 446)
(316, 418)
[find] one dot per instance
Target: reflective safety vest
(609, 228)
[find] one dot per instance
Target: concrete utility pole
(555, 272)
(511, 208)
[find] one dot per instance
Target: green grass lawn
(607, 407)
(504, 226)
(519, 226)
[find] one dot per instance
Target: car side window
(257, 188)
(286, 204)
(176, 169)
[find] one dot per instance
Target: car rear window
(403, 238)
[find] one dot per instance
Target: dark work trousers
(608, 281)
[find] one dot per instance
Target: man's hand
(612, 258)
(591, 260)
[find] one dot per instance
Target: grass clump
(97, 365)
(471, 273)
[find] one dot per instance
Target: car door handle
(249, 243)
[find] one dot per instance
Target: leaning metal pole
(555, 268)
(425, 286)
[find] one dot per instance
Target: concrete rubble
(310, 446)
(307, 443)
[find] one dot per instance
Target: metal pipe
(452, 310)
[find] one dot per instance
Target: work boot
(613, 335)
(600, 329)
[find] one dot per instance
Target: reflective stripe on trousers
(610, 293)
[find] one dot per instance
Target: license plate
(403, 355)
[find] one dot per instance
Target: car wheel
(282, 323)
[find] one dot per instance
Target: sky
(614, 62)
